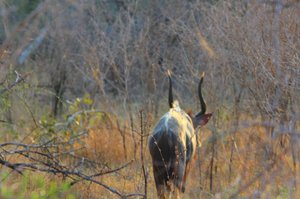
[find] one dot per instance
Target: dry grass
(105, 145)
(260, 165)
(117, 52)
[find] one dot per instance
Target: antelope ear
(190, 113)
(201, 120)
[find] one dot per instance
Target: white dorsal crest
(175, 105)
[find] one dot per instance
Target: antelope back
(180, 128)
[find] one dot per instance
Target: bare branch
(19, 79)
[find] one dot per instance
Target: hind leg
(161, 181)
(179, 181)
(187, 170)
(179, 172)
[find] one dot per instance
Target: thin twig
(19, 79)
(142, 155)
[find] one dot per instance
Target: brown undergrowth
(242, 163)
(230, 163)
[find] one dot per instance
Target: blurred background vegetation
(99, 66)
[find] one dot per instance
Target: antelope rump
(172, 145)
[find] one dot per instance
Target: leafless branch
(19, 79)
(43, 158)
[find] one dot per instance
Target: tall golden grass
(117, 52)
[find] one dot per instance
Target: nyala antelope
(172, 145)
